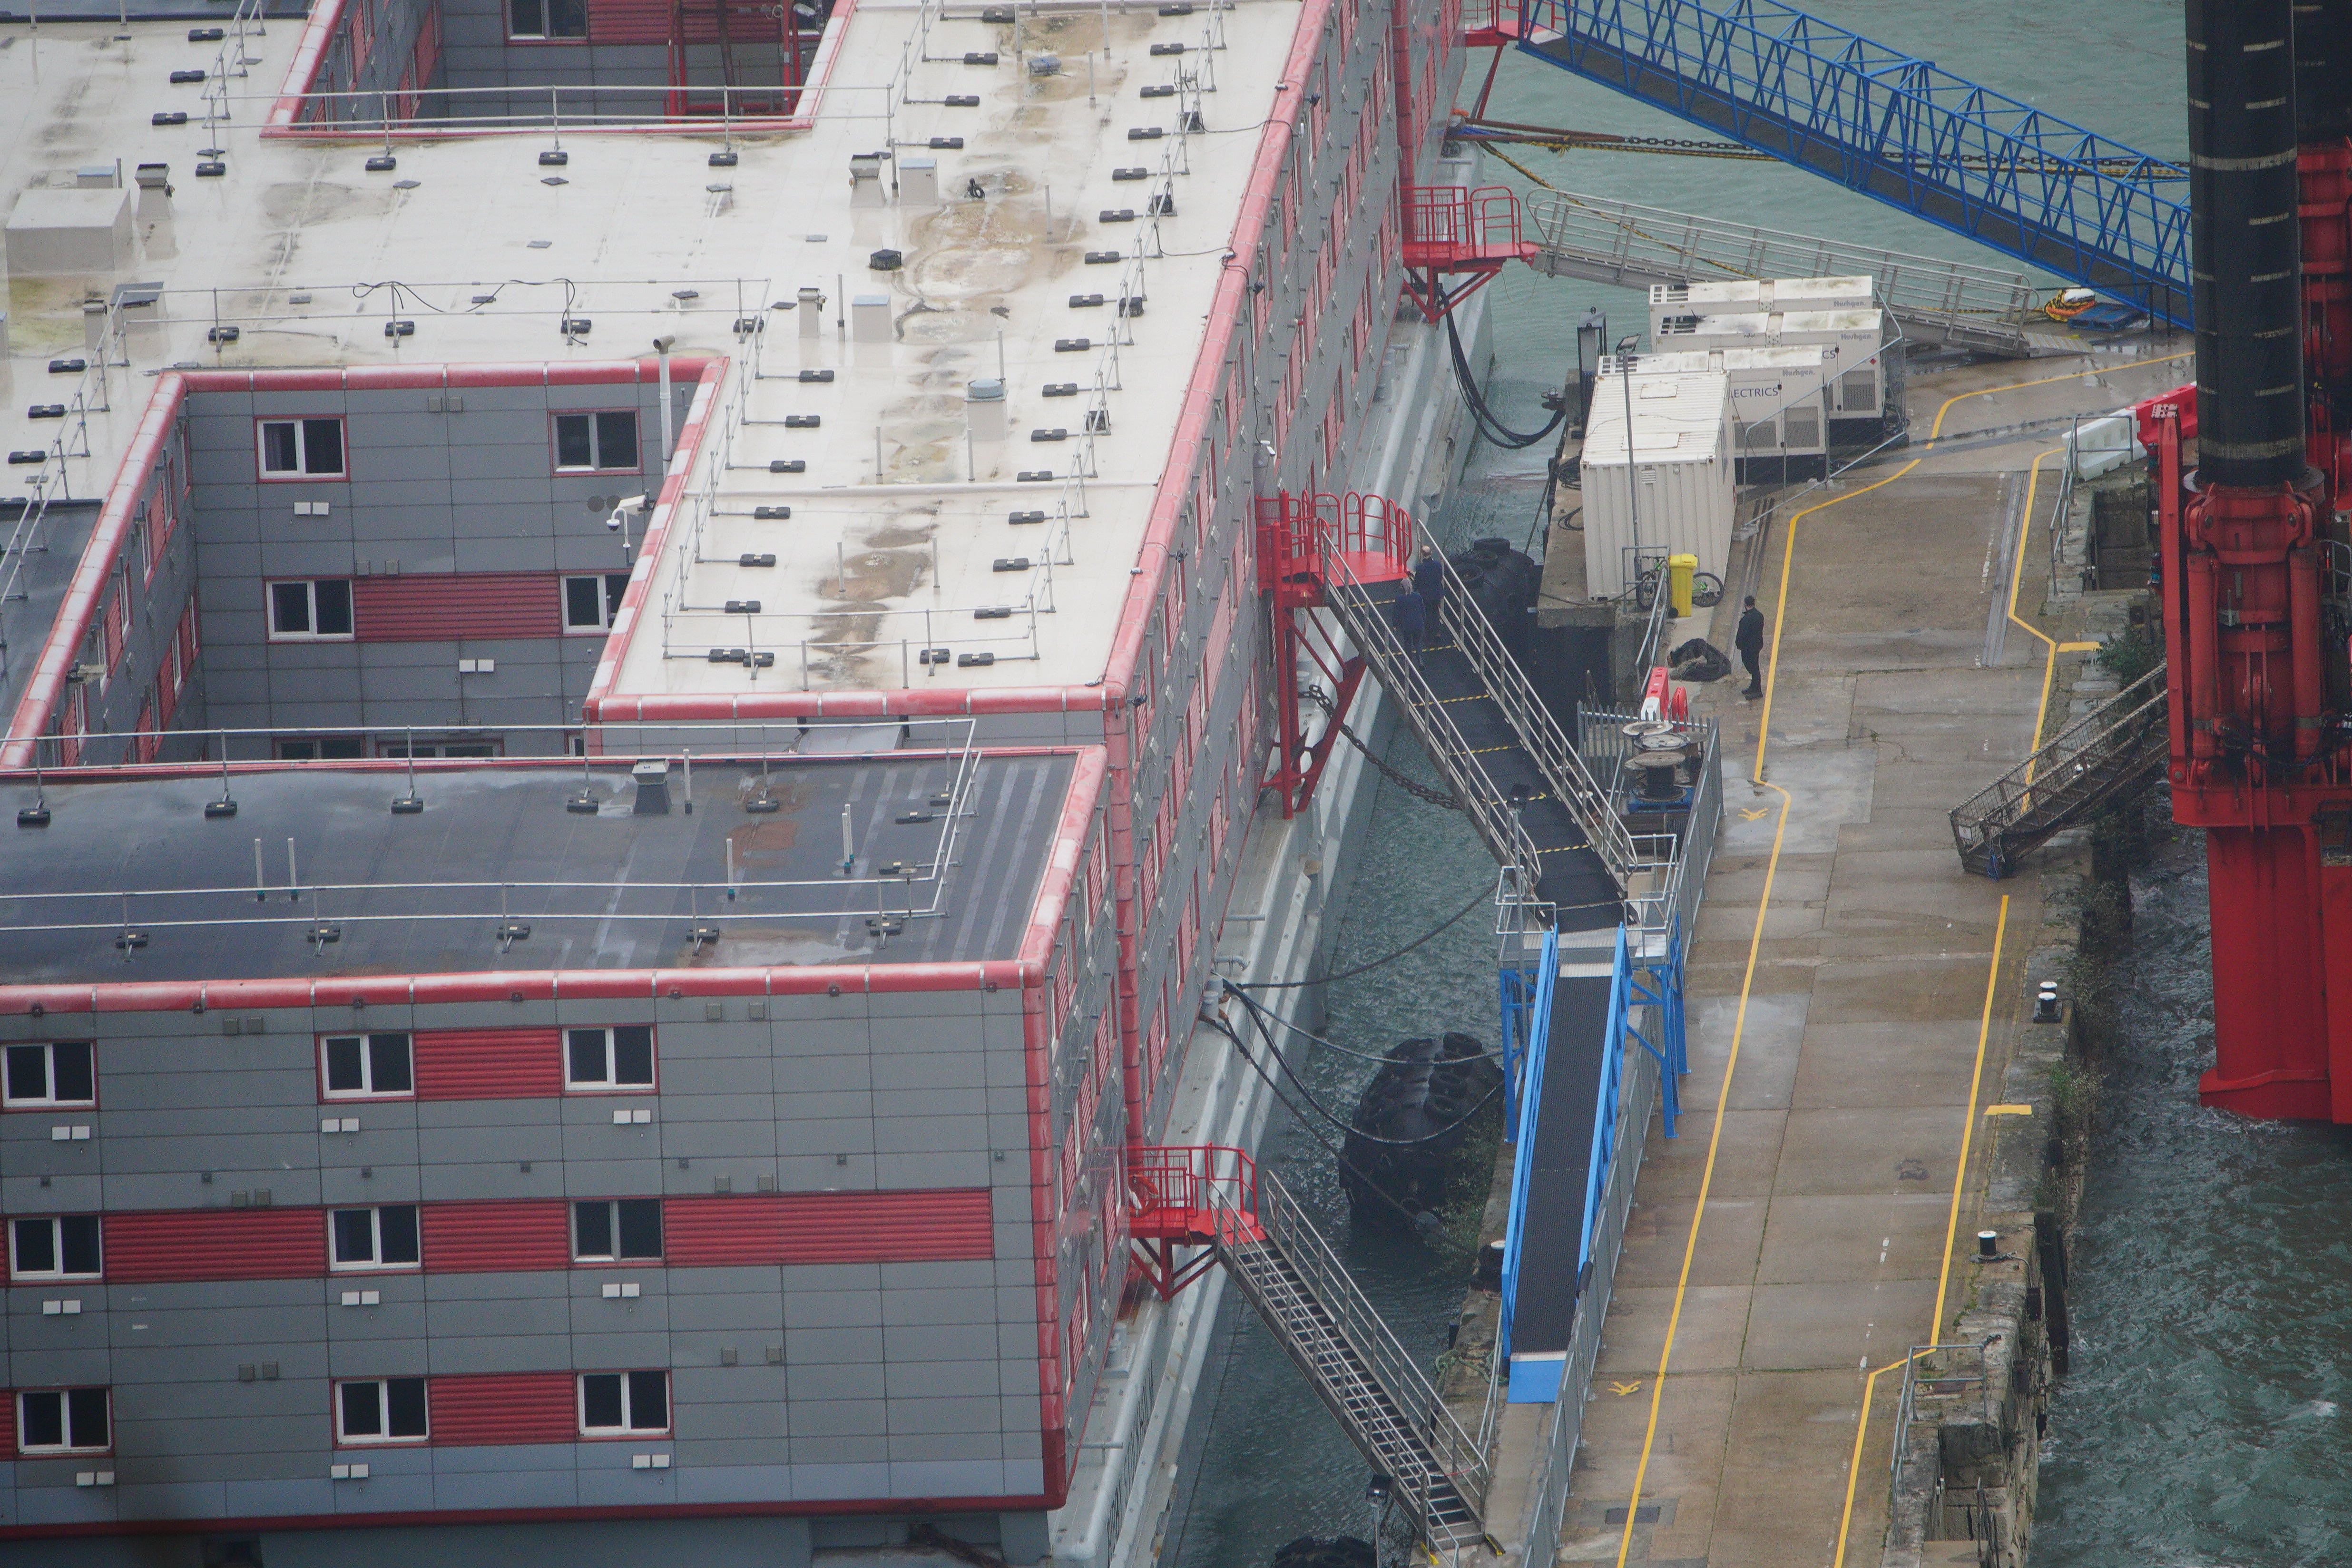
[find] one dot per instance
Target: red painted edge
(302, 71)
(80, 603)
(656, 537)
(1025, 970)
(898, 1507)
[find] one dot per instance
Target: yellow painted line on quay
(1755, 947)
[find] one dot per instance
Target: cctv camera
(634, 503)
(662, 345)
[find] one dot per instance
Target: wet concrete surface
(1855, 989)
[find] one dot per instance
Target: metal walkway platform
(1948, 303)
(1890, 127)
(2114, 746)
(1218, 1199)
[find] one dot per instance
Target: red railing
(1297, 532)
(1169, 1187)
(1451, 225)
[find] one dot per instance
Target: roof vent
(653, 786)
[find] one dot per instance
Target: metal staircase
(1604, 240)
(2114, 746)
(1501, 754)
(1216, 1198)
(1890, 127)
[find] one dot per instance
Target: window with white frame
(302, 448)
(362, 1066)
(621, 1057)
(612, 1402)
(381, 1410)
(547, 18)
(63, 1421)
(310, 609)
(381, 1236)
(591, 601)
(62, 1247)
(604, 442)
(617, 1230)
(63, 1072)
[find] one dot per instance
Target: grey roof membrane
(619, 888)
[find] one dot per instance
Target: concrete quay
(1853, 996)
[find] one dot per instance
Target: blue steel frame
(1526, 1018)
(1898, 129)
(1532, 1008)
(1527, 1013)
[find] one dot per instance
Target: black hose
(1493, 429)
(1260, 1008)
(1308, 1128)
(1300, 1084)
(1476, 898)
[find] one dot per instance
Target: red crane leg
(2271, 1026)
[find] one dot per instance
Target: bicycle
(1707, 589)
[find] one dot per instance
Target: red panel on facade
(492, 1237)
(935, 1225)
(7, 1420)
(628, 21)
(156, 1245)
(502, 1407)
(488, 1064)
(444, 606)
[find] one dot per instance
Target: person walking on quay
(1412, 612)
(1750, 640)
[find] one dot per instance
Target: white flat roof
(1678, 418)
(300, 248)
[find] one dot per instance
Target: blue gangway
(1890, 127)
(1567, 1031)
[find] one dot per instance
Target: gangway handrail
(1890, 126)
(1400, 1375)
(2082, 763)
(1981, 306)
(1472, 786)
(1538, 731)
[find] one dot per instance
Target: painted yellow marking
(1752, 816)
(2008, 1111)
(1622, 1389)
(2079, 647)
(1747, 979)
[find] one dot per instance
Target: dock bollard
(2046, 1003)
(1988, 1243)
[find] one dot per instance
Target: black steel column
(2323, 68)
(2245, 257)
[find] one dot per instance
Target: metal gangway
(1502, 755)
(1603, 240)
(2110, 749)
(1216, 1198)
(1898, 129)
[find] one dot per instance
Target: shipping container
(1857, 336)
(1681, 497)
(1762, 296)
(1776, 407)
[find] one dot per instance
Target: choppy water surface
(2201, 1424)
(2199, 1430)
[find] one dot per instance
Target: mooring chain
(1413, 787)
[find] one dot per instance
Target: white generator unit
(1671, 491)
(1776, 407)
(1759, 296)
(1856, 334)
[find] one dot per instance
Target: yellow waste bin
(1679, 571)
